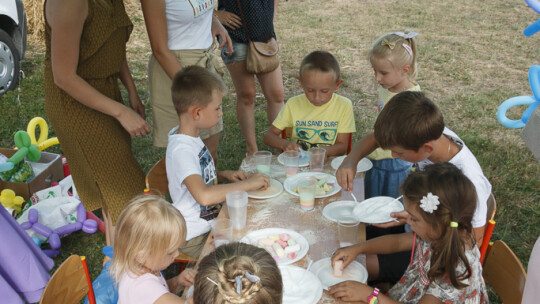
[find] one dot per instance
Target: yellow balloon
(42, 142)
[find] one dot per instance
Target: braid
(230, 269)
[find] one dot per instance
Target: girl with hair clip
(148, 234)
(393, 58)
(445, 264)
(238, 273)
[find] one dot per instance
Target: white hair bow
(429, 203)
(406, 36)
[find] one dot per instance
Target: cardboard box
(50, 167)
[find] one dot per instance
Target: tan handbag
(262, 57)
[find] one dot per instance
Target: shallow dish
(363, 165)
(338, 209)
(300, 286)
(253, 238)
(273, 190)
(292, 182)
(324, 271)
(377, 209)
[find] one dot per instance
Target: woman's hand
(229, 19)
(350, 291)
(134, 124)
(219, 30)
(137, 105)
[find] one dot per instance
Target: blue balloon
(532, 101)
(535, 27)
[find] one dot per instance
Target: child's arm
(352, 291)
(169, 298)
(340, 146)
(207, 195)
(347, 171)
(184, 279)
(232, 176)
(272, 138)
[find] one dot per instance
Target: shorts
(194, 247)
(239, 52)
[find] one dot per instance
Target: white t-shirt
(187, 155)
(467, 163)
(144, 289)
(189, 24)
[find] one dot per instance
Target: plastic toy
(532, 101)
(535, 27)
(42, 142)
(10, 200)
(26, 149)
(86, 225)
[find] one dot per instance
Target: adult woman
(259, 15)
(85, 57)
(181, 33)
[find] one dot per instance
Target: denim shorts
(239, 52)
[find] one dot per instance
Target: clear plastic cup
(262, 161)
(348, 230)
(291, 160)
(306, 191)
(222, 231)
(237, 206)
(316, 159)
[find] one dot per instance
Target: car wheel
(9, 63)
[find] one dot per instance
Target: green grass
(472, 56)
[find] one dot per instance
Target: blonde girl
(148, 234)
(445, 266)
(238, 273)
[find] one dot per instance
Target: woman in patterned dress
(85, 57)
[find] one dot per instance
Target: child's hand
(345, 175)
(350, 291)
(259, 181)
(347, 254)
(289, 145)
(400, 216)
(187, 277)
(237, 176)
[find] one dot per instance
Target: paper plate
(303, 162)
(273, 190)
(253, 238)
(363, 165)
(338, 209)
(292, 182)
(377, 209)
(300, 286)
(324, 271)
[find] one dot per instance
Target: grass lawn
(472, 56)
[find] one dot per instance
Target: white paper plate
(253, 238)
(377, 209)
(292, 182)
(338, 209)
(303, 162)
(274, 190)
(300, 286)
(363, 165)
(324, 271)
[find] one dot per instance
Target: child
(192, 175)
(148, 234)
(440, 202)
(412, 127)
(393, 58)
(238, 273)
(318, 118)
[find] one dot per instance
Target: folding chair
(69, 283)
(287, 133)
(505, 273)
(492, 209)
(157, 183)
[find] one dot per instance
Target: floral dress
(415, 283)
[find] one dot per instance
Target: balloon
(54, 240)
(10, 200)
(69, 228)
(37, 241)
(81, 213)
(90, 226)
(42, 142)
(26, 149)
(33, 216)
(51, 253)
(39, 228)
(535, 27)
(532, 101)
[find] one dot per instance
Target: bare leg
(244, 84)
(272, 87)
(212, 144)
(372, 266)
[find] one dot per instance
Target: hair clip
(238, 280)
(212, 281)
(454, 224)
(406, 36)
(407, 48)
(390, 45)
(429, 203)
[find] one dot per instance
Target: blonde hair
(235, 259)
(146, 227)
(395, 47)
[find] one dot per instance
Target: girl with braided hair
(238, 273)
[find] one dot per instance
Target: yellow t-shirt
(316, 125)
(384, 97)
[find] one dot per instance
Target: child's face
(158, 263)
(410, 155)
(212, 112)
(394, 79)
(318, 86)
(424, 230)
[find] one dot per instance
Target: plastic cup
(348, 230)
(306, 191)
(262, 161)
(222, 231)
(316, 159)
(291, 160)
(237, 207)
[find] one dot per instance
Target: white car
(12, 42)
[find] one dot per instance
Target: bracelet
(374, 297)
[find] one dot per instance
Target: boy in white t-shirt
(193, 179)
(319, 117)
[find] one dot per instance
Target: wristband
(374, 297)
